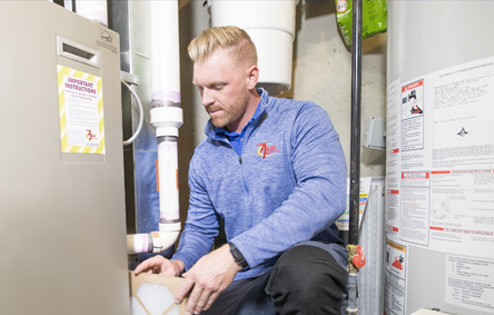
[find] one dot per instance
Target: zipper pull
(240, 159)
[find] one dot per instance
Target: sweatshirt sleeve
(319, 197)
(201, 227)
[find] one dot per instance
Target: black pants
(305, 280)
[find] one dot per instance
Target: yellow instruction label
(80, 101)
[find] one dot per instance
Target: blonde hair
(231, 38)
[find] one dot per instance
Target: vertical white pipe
(165, 60)
(165, 95)
(166, 117)
(95, 10)
(166, 114)
(168, 179)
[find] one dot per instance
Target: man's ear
(252, 76)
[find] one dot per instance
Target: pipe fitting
(154, 242)
(166, 237)
(166, 120)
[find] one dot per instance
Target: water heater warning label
(81, 112)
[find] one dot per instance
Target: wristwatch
(237, 255)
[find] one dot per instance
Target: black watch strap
(237, 255)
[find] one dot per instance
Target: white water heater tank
(440, 158)
(271, 26)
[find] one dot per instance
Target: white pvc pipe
(95, 10)
(166, 237)
(138, 243)
(168, 180)
(165, 58)
(154, 242)
(166, 117)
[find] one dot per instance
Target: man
(274, 170)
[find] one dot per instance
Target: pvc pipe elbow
(166, 237)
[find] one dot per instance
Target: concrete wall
(321, 73)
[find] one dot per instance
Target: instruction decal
(395, 279)
(440, 160)
(470, 282)
(80, 102)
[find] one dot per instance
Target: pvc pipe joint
(166, 120)
(166, 237)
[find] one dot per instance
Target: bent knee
(307, 276)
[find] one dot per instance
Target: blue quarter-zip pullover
(287, 186)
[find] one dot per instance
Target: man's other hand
(160, 265)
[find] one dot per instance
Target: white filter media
(173, 311)
(156, 298)
(136, 308)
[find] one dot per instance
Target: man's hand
(211, 275)
(160, 265)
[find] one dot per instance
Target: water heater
(440, 158)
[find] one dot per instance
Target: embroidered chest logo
(265, 150)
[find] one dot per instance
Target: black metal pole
(355, 125)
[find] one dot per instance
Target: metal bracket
(129, 78)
